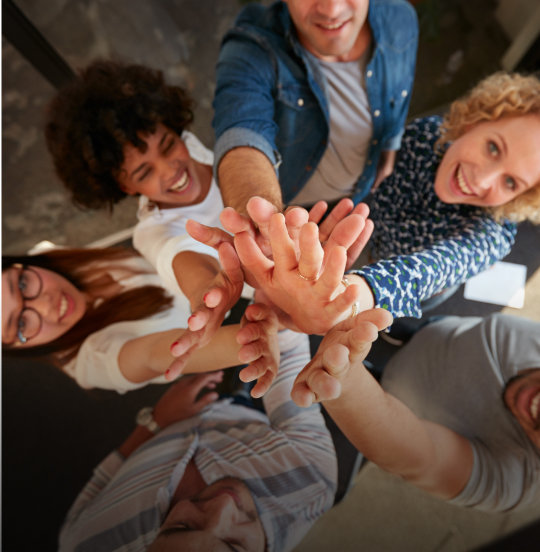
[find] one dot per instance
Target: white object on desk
(502, 284)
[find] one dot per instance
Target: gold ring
(305, 278)
(356, 305)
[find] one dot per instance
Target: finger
(282, 246)
(323, 385)
(311, 252)
(260, 211)
(258, 311)
(343, 302)
(317, 211)
(361, 242)
(302, 395)
(211, 236)
(381, 318)
(255, 370)
(251, 352)
(360, 339)
(185, 342)
(198, 320)
(346, 232)
(250, 332)
(342, 209)
(295, 219)
(252, 257)
(230, 263)
(177, 366)
(361, 209)
(205, 400)
(235, 222)
(263, 385)
(330, 279)
(335, 359)
(212, 298)
(204, 380)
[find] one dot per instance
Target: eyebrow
(141, 166)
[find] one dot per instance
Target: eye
(21, 324)
(23, 283)
(168, 147)
(510, 183)
(145, 174)
(493, 149)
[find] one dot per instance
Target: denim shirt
(271, 96)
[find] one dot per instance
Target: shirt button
(369, 73)
(375, 142)
(308, 167)
(368, 162)
(376, 113)
(404, 93)
(300, 102)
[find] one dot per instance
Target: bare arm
(246, 172)
(147, 357)
(386, 431)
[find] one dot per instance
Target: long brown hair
(80, 267)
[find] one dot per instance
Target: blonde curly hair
(500, 95)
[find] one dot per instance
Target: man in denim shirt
(275, 107)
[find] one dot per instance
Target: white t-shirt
(161, 233)
(96, 364)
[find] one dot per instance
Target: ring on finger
(305, 278)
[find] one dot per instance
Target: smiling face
(522, 397)
(492, 163)
(332, 30)
(165, 172)
(222, 517)
(60, 305)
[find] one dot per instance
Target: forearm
(146, 358)
(246, 172)
(379, 425)
(139, 435)
(194, 272)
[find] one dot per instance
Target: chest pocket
(297, 114)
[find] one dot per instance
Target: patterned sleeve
(402, 282)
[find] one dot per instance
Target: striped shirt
(286, 458)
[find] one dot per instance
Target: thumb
(207, 399)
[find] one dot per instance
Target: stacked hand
(341, 351)
(208, 316)
(258, 337)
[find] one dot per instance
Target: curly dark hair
(91, 119)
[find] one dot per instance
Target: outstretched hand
(180, 401)
(208, 316)
(258, 337)
(342, 349)
(310, 292)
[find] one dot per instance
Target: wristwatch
(145, 417)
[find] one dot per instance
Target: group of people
(310, 107)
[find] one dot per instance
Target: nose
(330, 9)
(488, 176)
(167, 168)
(220, 513)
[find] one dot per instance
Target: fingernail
(175, 344)
(167, 373)
(205, 296)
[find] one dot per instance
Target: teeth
(461, 182)
(332, 27)
(63, 306)
(181, 184)
(535, 404)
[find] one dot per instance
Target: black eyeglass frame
(23, 339)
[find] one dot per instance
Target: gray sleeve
(500, 480)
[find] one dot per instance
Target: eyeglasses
(29, 323)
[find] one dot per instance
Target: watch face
(144, 417)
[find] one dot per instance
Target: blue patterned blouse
(424, 245)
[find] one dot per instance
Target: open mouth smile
(332, 26)
(462, 183)
(181, 184)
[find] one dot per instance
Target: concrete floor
(53, 432)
